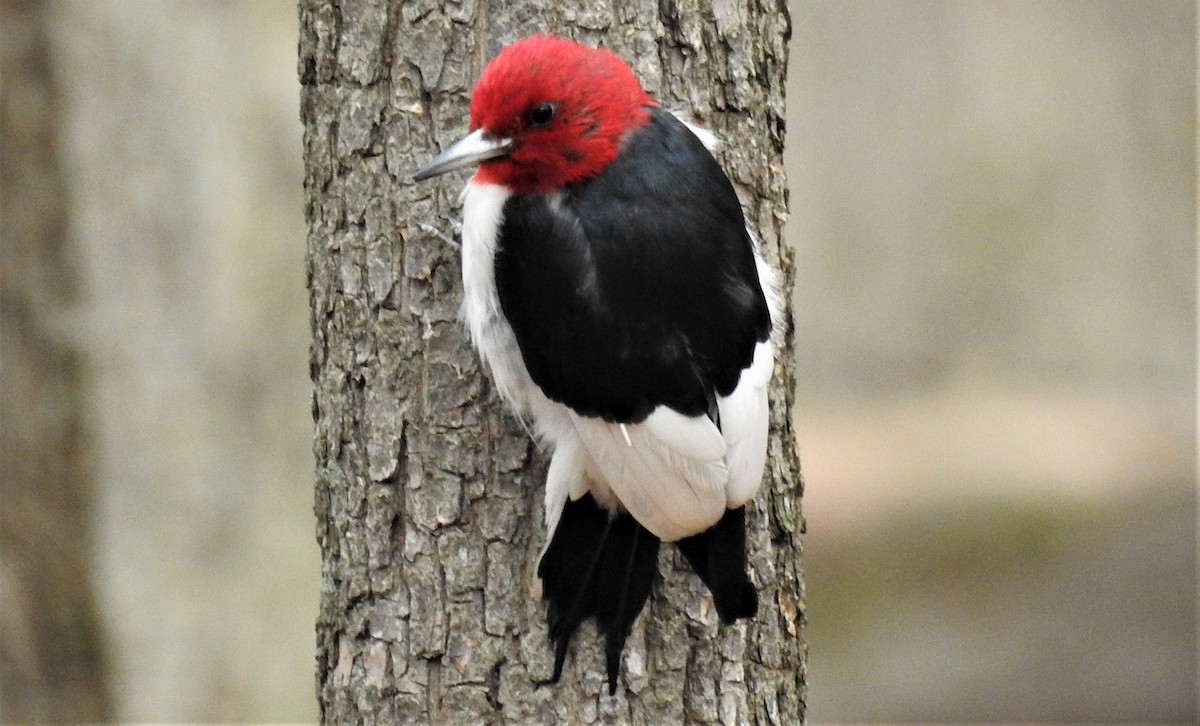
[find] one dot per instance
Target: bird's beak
(472, 149)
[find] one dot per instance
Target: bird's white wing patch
(693, 437)
(745, 427)
(670, 474)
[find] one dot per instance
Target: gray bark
(52, 665)
(428, 494)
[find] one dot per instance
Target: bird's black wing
(633, 291)
(637, 288)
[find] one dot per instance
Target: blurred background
(993, 209)
(993, 206)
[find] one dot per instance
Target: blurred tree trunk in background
(428, 495)
(52, 665)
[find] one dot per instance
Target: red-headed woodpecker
(612, 288)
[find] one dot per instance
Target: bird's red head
(563, 109)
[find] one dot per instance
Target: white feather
(483, 211)
(564, 478)
(770, 287)
(671, 476)
(745, 427)
(708, 138)
(693, 437)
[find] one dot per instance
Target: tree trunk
(52, 666)
(428, 494)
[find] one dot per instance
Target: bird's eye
(542, 114)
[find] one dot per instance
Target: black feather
(635, 288)
(718, 555)
(601, 566)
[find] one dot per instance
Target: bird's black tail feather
(597, 565)
(718, 555)
(601, 565)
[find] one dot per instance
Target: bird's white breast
(493, 337)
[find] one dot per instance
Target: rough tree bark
(52, 665)
(428, 495)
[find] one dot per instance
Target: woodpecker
(611, 287)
